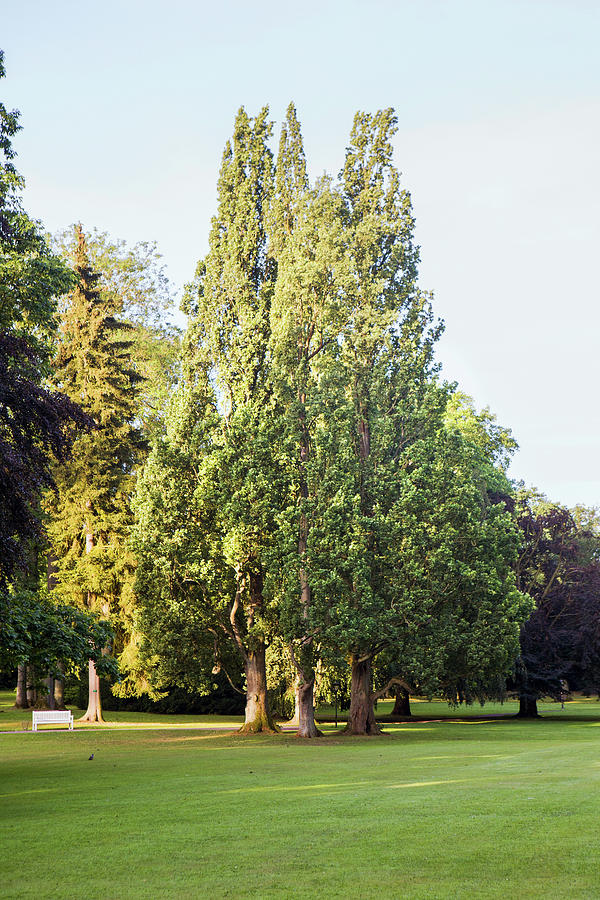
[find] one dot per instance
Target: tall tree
(229, 334)
(133, 281)
(386, 366)
(90, 516)
(420, 549)
(307, 241)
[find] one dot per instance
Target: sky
(126, 106)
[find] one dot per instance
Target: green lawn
(434, 809)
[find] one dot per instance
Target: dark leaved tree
(560, 642)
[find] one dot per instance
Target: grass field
(433, 809)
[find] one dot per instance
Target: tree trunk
(59, 688)
(50, 703)
(21, 701)
(51, 572)
(305, 684)
(402, 704)
(304, 693)
(527, 707)
(361, 718)
(295, 720)
(30, 687)
(307, 727)
(258, 715)
(93, 712)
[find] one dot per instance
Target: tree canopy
(322, 495)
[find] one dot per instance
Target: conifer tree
(90, 515)
(133, 280)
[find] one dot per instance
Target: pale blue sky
(126, 106)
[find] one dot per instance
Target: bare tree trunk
(258, 714)
(50, 703)
(59, 688)
(295, 720)
(361, 718)
(304, 689)
(93, 712)
(307, 727)
(305, 681)
(527, 707)
(30, 686)
(402, 704)
(21, 701)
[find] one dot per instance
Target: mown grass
(433, 809)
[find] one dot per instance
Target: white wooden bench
(51, 717)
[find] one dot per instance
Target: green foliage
(376, 401)
(183, 587)
(229, 302)
(494, 442)
(227, 341)
(316, 487)
(310, 306)
(291, 184)
(133, 283)
(587, 522)
(37, 631)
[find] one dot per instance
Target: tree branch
(239, 690)
(400, 681)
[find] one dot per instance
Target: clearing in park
(443, 806)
